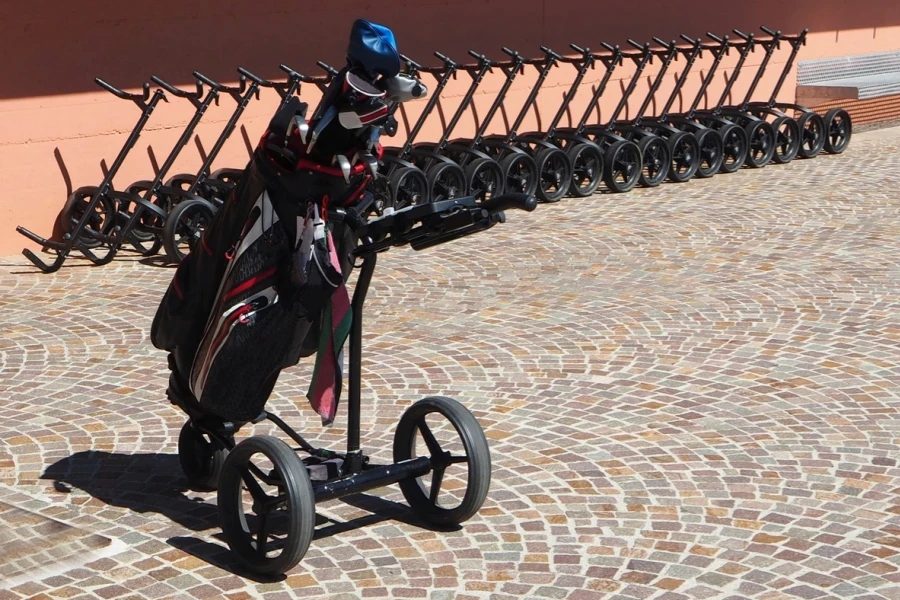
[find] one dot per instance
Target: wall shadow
(56, 47)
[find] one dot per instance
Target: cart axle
(371, 478)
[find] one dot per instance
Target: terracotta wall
(58, 129)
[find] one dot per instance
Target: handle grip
(257, 80)
(608, 47)
(716, 38)
(504, 202)
(550, 53)
(328, 68)
(743, 35)
(175, 91)
(480, 57)
(690, 40)
(411, 65)
(634, 44)
(579, 49)
(511, 53)
(207, 80)
(774, 34)
(144, 95)
(662, 43)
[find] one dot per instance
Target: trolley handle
(295, 75)
(143, 96)
(716, 38)
(411, 65)
(774, 34)
(744, 36)
(448, 64)
(608, 47)
(690, 40)
(666, 45)
(584, 52)
(223, 88)
(328, 68)
(175, 91)
(482, 59)
(257, 80)
(511, 53)
(641, 47)
(504, 202)
(550, 53)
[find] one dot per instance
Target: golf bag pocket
(179, 309)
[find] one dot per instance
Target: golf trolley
(267, 509)
(90, 211)
(831, 132)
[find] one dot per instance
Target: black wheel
(484, 179)
(587, 168)
(761, 144)
(101, 220)
(712, 152)
(555, 174)
(838, 130)
(408, 187)
(266, 505)
(655, 160)
(184, 227)
(787, 140)
(445, 181)
(201, 458)
(622, 166)
(812, 126)
(685, 157)
(139, 188)
(735, 146)
(520, 173)
(460, 458)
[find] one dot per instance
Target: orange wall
(56, 125)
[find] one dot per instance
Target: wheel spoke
(455, 459)
(262, 534)
(433, 446)
(437, 476)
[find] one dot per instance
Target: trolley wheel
(655, 160)
(266, 507)
(520, 173)
(446, 500)
(484, 179)
(587, 168)
(408, 186)
(712, 152)
(685, 153)
(812, 127)
(184, 227)
(101, 220)
(787, 140)
(838, 130)
(622, 166)
(445, 181)
(735, 146)
(201, 458)
(761, 144)
(555, 174)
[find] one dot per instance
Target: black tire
(656, 161)
(712, 152)
(520, 174)
(201, 458)
(735, 146)
(484, 179)
(760, 144)
(408, 186)
(685, 157)
(838, 130)
(445, 181)
(555, 174)
(185, 225)
(622, 166)
(102, 220)
(587, 168)
(295, 492)
(787, 140)
(477, 458)
(812, 127)
(139, 188)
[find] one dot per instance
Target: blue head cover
(373, 49)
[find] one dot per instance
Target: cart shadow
(154, 483)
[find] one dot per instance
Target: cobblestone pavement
(690, 392)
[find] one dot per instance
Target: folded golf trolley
(267, 512)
